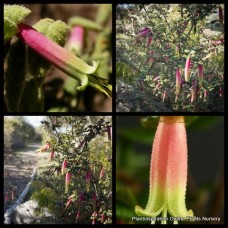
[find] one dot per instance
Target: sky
(34, 120)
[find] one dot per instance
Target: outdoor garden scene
(58, 170)
(170, 57)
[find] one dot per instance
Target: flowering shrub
(156, 42)
(79, 178)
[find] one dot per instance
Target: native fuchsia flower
(68, 179)
(178, 81)
(187, 68)
(200, 67)
(220, 15)
(143, 32)
(88, 178)
(64, 165)
(60, 57)
(76, 40)
(168, 171)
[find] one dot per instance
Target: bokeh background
(205, 187)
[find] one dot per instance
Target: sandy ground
(18, 167)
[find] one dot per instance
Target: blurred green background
(205, 187)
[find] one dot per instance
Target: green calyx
(13, 15)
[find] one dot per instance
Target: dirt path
(18, 167)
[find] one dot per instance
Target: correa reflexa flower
(178, 81)
(64, 165)
(200, 67)
(88, 178)
(220, 15)
(150, 39)
(187, 68)
(102, 173)
(60, 57)
(168, 171)
(76, 40)
(164, 96)
(109, 130)
(143, 32)
(6, 198)
(68, 179)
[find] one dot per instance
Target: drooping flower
(102, 173)
(150, 39)
(69, 201)
(200, 67)
(220, 15)
(64, 165)
(6, 198)
(68, 179)
(88, 178)
(76, 40)
(220, 91)
(178, 81)
(109, 130)
(57, 55)
(187, 68)
(143, 32)
(168, 171)
(164, 96)
(205, 95)
(78, 215)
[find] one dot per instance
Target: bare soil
(18, 167)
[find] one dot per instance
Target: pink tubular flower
(76, 40)
(102, 173)
(164, 96)
(64, 165)
(88, 178)
(109, 130)
(168, 171)
(6, 197)
(178, 81)
(143, 32)
(220, 15)
(220, 91)
(60, 57)
(200, 67)
(150, 39)
(193, 96)
(187, 68)
(68, 179)
(69, 201)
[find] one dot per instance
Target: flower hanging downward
(168, 171)
(187, 68)
(68, 179)
(178, 81)
(200, 66)
(60, 57)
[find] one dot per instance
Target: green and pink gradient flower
(187, 68)
(76, 40)
(200, 67)
(57, 55)
(67, 182)
(168, 171)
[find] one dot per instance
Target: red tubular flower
(187, 68)
(69, 201)
(178, 81)
(200, 67)
(220, 15)
(68, 179)
(88, 178)
(64, 165)
(6, 199)
(168, 171)
(164, 96)
(150, 39)
(102, 173)
(76, 40)
(109, 130)
(143, 32)
(60, 57)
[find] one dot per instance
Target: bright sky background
(34, 120)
